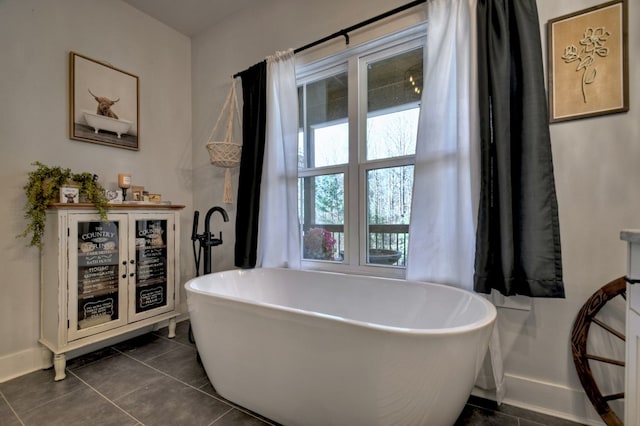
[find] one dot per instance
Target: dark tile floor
(152, 380)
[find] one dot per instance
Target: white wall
(35, 39)
(597, 186)
(596, 181)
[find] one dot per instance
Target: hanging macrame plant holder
(225, 151)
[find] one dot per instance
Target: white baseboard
(24, 362)
(546, 398)
(37, 358)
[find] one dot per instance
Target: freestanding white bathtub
(316, 348)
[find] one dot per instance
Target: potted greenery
(43, 188)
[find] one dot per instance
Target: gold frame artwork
(588, 62)
(103, 104)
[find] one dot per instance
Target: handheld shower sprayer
(205, 240)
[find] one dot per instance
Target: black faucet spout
(207, 240)
(207, 218)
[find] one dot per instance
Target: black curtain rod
(345, 32)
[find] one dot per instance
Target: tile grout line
(172, 339)
(229, 403)
(221, 416)
(48, 401)
(153, 357)
(104, 396)
(11, 408)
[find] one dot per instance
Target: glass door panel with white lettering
(152, 289)
(98, 264)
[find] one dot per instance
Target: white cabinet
(100, 279)
(632, 361)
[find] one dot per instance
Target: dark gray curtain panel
(254, 96)
(518, 236)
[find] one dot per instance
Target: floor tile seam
(169, 351)
(172, 377)
(11, 408)
(221, 416)
(173, 340)
(146, 360)
(105, 397)
(49, 401)
(247, 412)
(224, 401)
(240, 408)
(150, 358)
(123, 396)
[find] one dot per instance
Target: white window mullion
(352, 213)
(361, 121)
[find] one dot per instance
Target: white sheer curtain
(444, 206)
(279, 229)
(446, 175)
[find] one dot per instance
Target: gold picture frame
(103, 103)
(588, 62)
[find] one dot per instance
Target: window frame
(354, 61)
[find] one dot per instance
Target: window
(358, 125)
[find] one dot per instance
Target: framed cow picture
(104, 103)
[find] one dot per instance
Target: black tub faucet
(206, 240)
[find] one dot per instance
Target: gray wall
(35, 39)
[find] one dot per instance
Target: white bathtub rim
(108, 119)
(488, 320)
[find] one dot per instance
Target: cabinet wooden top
(123, 206)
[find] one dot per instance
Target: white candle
(124, 180)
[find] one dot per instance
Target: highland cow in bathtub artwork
(103, 103)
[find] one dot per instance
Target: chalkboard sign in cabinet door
(97, 265)
(152, 290)
(102, 279)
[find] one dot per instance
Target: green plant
(42, 190)
(93, 191)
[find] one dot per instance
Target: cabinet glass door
(154, 276)
(97, 263)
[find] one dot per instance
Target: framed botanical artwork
(588, 62)
(103, 103)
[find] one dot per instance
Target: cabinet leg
(172, 328)
(59, 365)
